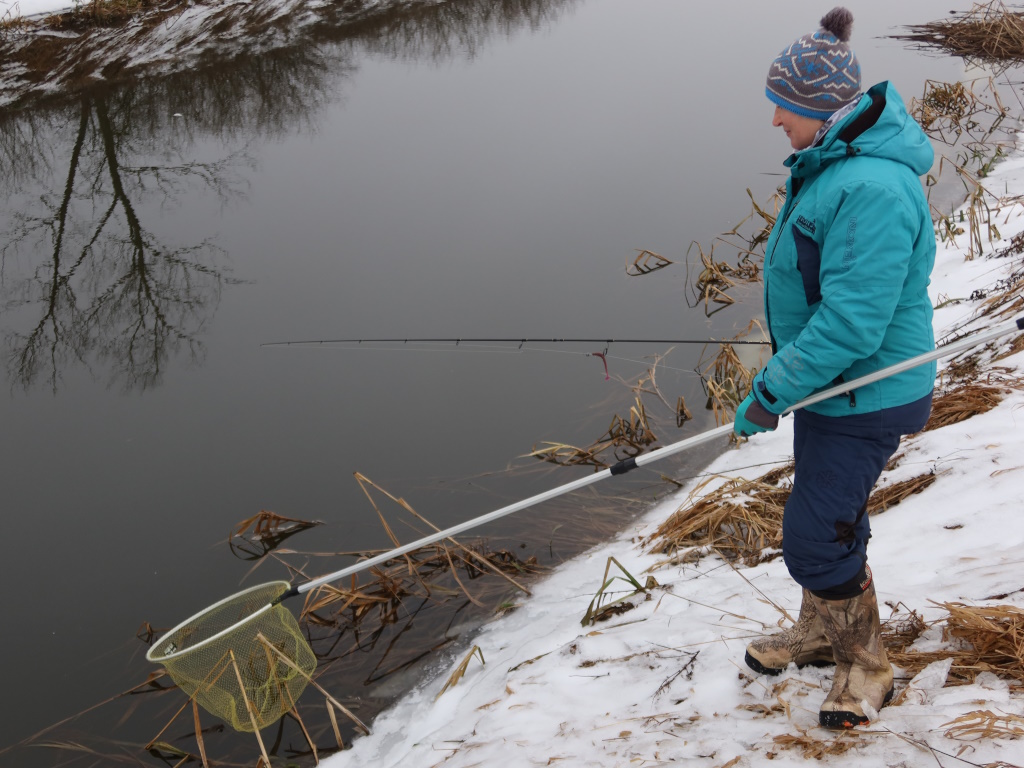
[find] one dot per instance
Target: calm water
(477, 169)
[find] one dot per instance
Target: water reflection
(461, 28)
(89, 279)
(86, 274)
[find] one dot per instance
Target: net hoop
(154, 655)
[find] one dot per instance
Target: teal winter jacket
(848, 262)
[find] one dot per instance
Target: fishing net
(244, 659)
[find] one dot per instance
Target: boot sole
(841, 721)
(761, 669)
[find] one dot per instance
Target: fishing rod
(509, 340)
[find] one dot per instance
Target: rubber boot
(863, 677)
(802, 644)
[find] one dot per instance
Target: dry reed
(816, 749)
(890, 495)
(970, 117)
(260, 534)
(716, 278)
(726, 381)
(601, 609)
(460, 670)
(740, 519)
(981, 639)
(646, 262)
(381, 597)
(627, 437)
(962, 402)
(106, 13)
(902, 629)
(988, 34)
(985, 724)
(1007, 296)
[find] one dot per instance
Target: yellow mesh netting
(243, 650)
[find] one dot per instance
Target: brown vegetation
(989, 33)
(980, 639)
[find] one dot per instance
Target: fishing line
(506, 340)
(491, 349)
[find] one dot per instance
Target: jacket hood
(880, 127)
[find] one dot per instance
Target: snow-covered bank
(43, 59)
(29, 9)
(665, 682)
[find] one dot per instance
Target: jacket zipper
(787, 212)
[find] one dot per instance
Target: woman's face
(799, 129)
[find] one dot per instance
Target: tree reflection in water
(84, 273)
(92, 283)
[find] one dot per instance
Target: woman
(845, 292)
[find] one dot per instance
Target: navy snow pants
(825, 527)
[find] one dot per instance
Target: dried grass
(985, 724)
(751, 234)
(104, 13)
(970, 117)
(1017, 345)
(460, 670)
(739, 519)
(647, 384)
(716, 278)
(965, 400)
(260, 534)
(1006, 297)
(890, 495)
(726, 381)
(988, 34)
(902, 628)
(366, 608)
(627, 437)
(725, 378)
(380, 601)
(816, 749)
(646, 262)
(601, 608)
(982, 639)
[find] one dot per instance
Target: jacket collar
(840, 133)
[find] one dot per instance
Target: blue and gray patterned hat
(819, 73)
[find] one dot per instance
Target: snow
(665, 682)
(31, 8)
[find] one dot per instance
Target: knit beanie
(819, 73)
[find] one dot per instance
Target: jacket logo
(805, 224)
(851, 238)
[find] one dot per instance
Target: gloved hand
(752, 417)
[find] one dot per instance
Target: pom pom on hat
(819, 73)
(839, 22)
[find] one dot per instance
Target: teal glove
(752, 417)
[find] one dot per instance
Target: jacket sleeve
(865, 259)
